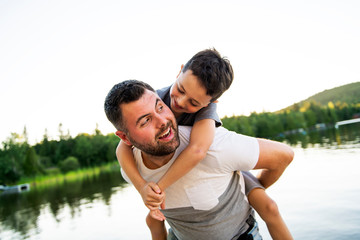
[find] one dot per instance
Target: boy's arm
(149, 192)
(201, 137)
(126, 160)
(157, 227)
(274, 157)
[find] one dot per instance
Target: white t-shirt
(202, 186)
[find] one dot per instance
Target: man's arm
(274, 157)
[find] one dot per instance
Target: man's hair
(124, 92)
(214, 72)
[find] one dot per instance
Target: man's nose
(161, 120)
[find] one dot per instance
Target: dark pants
(252, 233)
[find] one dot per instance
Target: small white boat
(15, 189)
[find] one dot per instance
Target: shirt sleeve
(236, 152)
(251, 182)
(125, 177)
(208, 112)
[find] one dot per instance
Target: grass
(58, 178)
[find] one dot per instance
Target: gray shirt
(229, 217)
(209, 201)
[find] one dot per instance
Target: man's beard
(161, 148)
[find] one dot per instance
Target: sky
(59, 59)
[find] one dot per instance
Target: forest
(19, 160)
(321, 110)
(309, 116)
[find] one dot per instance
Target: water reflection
(344, 136)
(20, 212)
(80, 204)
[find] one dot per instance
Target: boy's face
(187, 94)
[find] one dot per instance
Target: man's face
(187, 94)
(151, 125)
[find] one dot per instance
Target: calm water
(318, 196)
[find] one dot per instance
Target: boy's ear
(182, 66)
(123, 137)
(216, 101)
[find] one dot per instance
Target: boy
(192, 99)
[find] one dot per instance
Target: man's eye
(144, 121)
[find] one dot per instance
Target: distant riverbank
(49, 180)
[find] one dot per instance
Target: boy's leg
(269, 212)
(157, 228)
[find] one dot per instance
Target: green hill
(308, 114)
(349, 93)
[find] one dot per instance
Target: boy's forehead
(194, 87)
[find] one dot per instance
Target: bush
(52, 171)
(69, 164)
(45, 161)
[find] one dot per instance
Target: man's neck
(154, 162)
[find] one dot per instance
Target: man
(208, 202)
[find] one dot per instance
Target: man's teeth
(166, 134)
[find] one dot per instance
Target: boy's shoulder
(162, 92)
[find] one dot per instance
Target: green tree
(310, 118)
(69, 164)
(83, 149)
(8, 173)
(111, 142)
(12, 157)
(31, 164)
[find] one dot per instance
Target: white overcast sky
(58, 59)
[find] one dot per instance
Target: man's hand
(152, 196)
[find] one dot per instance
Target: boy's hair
(124, 92)
(214, 72)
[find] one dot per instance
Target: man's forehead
(146, 103)
(149, 98)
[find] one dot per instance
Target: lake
(318, 196)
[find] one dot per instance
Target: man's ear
(182, 66)
(123, 137)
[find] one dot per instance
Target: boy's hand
(152, 196)
(156, 214)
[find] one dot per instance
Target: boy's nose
(181, 101)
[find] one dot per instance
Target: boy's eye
(180, 91)
(194, 104)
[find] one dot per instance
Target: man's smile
(167, 134)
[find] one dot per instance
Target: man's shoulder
(184, 132)
(220, 133)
